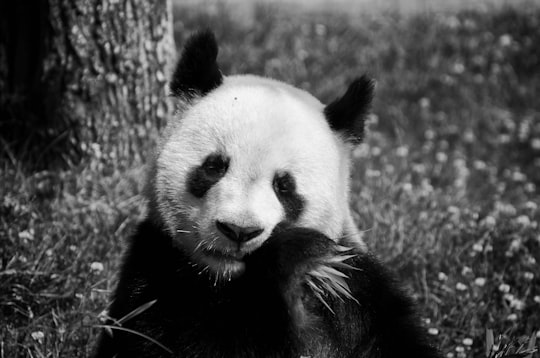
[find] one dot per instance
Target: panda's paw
(328, 278)
(296, 257)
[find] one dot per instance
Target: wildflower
(505, 288)
(433, 331)
(449, 355)
(376, 151)
(505, 40)
(535, 144)
(468, 341)
(530, 187)
(429, 134)
(517, 304)
(441, 157)
(370, 173)
(478, 247)
(419, 168)
(460, 349)
(458, 68)
(460, 286)
(531, 205)
(518, 176)
(489, 221)
(512, 317)
(480, 281)
(407, 187)
(361, 151)
(96, 267)
(479, 165)
(468, 137)
(466, 270)
(528, 276)
(505, 208)
(504, 138)
(27, 234)
(424, 102)
(402, 151)
(442, 276)
(38, 336)
(523, 220)
(320, 30)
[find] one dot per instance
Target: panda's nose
(237, 233)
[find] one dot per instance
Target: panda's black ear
(347, 113)
(197, 72)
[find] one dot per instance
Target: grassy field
(446, 186)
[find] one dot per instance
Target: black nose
(237, 233)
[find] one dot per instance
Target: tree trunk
(82, 76)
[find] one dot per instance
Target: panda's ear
(197, 72)
(347, 113)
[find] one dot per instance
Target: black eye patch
(203, 177)
(285, 188)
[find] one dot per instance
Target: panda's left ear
(347, 114)
(197, 72)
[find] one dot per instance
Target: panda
(249, 248)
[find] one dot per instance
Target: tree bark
(82, 76)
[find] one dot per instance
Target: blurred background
(445, 186)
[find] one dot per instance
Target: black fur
(347, 114)
(267, 312)
(285, 189)
(197, 72)
(203, 177)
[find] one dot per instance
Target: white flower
(479, 165)
(375, 151)
(528, 275)
(460, 286)
(512, 317)
(505, 40)
(27, 235)
(505, 288)
(441, 157)
(535, 144)
(468, 341)
(517, 304)
(523, 220)
(478, 247)
(442, 276)
(518, 176)
(433, 331)
(407, 187)
(480, 281)
(361, 151)
(402, 151)
(96, 267)
(531, 205)
(38, 336)
(489, 221)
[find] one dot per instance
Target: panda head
(245, 154)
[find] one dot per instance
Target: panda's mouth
(223, 256)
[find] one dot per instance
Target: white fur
(264, 126)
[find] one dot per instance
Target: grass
(446, 184)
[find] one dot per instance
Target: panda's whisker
(184, 231)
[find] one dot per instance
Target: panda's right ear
(347, 114)
(197, 71)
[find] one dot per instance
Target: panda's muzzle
(238, 234)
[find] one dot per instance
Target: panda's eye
(215, 165)
(283, 183)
